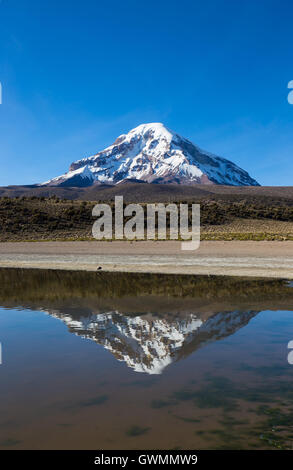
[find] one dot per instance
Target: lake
(138, 361)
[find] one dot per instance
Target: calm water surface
(116, 361)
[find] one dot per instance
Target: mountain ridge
(153, 153)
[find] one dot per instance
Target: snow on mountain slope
(80, 177)
(154, 154)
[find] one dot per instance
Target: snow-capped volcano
(154, 154)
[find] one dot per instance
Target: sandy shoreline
(235, 258)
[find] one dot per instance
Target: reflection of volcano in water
(112, 309)
(149, 343)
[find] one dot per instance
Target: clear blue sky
(76, 74)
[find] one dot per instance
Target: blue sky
(76, 74)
